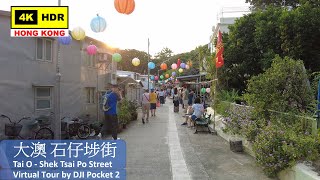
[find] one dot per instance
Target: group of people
(192, 105)
(150, 101)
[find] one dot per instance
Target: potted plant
(124, 114)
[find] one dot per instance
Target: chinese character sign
(62, 159)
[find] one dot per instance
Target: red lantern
(92, 49)
(178, 63)
(163, 66)
(124, 6)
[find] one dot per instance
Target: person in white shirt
(145, 104)
(198, 111)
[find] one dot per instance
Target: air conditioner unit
(111, 78)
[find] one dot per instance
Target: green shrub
(124, 113)
(278, 148)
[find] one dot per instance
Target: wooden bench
(203, 122)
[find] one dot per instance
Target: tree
(255, 39)
(128, 55)
(262, 4)
(284, 87)
(165, 53)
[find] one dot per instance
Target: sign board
(39, 21)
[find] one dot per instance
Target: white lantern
(136, 61)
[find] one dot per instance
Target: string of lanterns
(99, 24)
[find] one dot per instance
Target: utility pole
(57, 115)
(148, 65)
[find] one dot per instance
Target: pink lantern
(174, 66)
(156, 78)
(92, 49)
(187, 66)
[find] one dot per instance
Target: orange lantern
(167, 76)
(124, 6)
(189, 63)
(163, 66)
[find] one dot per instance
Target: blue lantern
(65, 40)
(152, 78)
(173, 73)
(183, 65)
(98, 24)
(151, 65)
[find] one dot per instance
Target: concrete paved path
(163, 149)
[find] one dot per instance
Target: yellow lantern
(136, 61)
(78, 33)
(180, 70)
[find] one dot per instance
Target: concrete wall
(20, 73)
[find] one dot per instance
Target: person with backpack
(145, 104)
(110, 101)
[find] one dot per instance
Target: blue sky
(180, 25)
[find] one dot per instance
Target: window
(44, 49)
(91, 60)
(90, 95)
(43, 98)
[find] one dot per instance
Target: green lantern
(116, 57)
(203, 90)
(161, 77)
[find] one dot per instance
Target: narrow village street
(163, 149)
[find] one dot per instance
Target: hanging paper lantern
(65, 40)
(156, 78)
(173, 73)
(174, 66)
(167, 75)
(189, 63)
(136, 61)
(178, 63)
(183, 65)
(187, 66)
(180, 70)
(161, 77)
(116, 57)
(208, 90)
(203, 90)
(78, 33)
(151, 65)
(163, 66)
(98, 24)
(152, 78)
(124, 6)
(92, 49)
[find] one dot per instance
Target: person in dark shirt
(111, 118)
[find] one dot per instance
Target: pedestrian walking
(153, 102)
(190, 97)
(110, 101)
(145, 104)
(175, 100)
(185, 98)
(161, 96)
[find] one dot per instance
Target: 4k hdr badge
(46, 17)
(39, 21)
